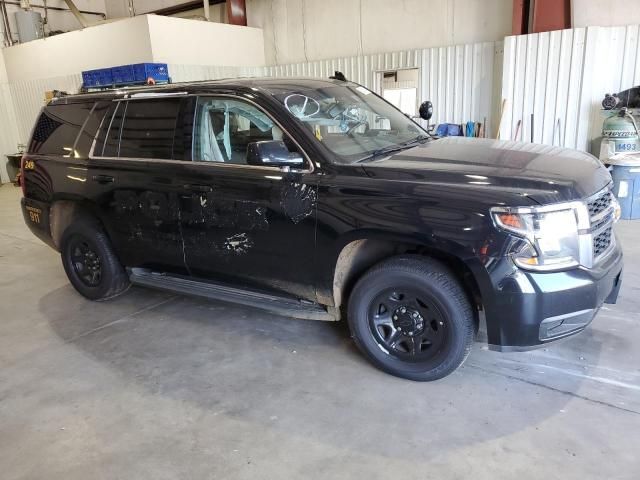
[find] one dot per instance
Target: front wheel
(411, 317)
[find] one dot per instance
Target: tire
(427, 340)
(90, 263)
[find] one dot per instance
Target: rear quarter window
(159, 128)
(57, 128)
(91, 126)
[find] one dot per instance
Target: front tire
(90, 262)
(411, 318)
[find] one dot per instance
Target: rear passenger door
(138, 170)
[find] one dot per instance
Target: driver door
(251, 226)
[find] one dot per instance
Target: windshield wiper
(395, 148)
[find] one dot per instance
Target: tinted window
(85, 140)
(148, 128)
(112, 140)
(105, 123)
(224, 127)
(183, 141)
(57, 128)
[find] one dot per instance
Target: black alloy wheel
(407, 324)
(86, 262)
(412, 318)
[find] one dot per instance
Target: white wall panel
(8, 130)
(304, 30)
(561, 77)
(28, 99)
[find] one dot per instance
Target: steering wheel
(302, 106)
(356, 125)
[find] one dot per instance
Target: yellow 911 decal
(34, 214)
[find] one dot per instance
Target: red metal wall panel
(520, 17)
(549, 15)
(237, 12)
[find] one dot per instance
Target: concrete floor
(157, 386)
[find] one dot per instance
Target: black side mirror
(272, 153)
(426, 110)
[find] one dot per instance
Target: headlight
(551, 234)
(617, 209)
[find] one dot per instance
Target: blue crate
(123, 75)
(100, 77)
(158, 71)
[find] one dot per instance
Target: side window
(149, 128)
(141, 129)
(112, 124)
(224, 127)
(105, 124)
(91, 126)
(58, 127)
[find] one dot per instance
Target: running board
(216, 291)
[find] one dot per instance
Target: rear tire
(411, 318)
(90, 262)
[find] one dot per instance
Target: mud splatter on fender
(298, 200)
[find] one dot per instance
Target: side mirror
(272, 153)
(426, 110)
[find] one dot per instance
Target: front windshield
(350, 120)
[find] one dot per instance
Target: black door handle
(199, 188)
(103, 179)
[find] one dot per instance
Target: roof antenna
(338, 76)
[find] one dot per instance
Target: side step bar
(216, 291)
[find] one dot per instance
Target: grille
(600, 204)
(602, 227)
(602, 242)
(596, 227)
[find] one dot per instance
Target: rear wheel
(90, 263)
(411, 317)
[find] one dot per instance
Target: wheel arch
(358, 255)
(64, 211)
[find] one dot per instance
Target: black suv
(318, 199)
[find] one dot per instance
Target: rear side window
(91, 126)
(141, 129)
(111, 146)
(58, 127)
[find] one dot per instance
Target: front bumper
(530, 310)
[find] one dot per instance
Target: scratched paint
(238, 244)
(298, 201)
(207, 209)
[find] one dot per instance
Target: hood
(542, 173)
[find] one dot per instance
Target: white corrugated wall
(8, 129)
(459, 80)
(561, 77)
(28, 99)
